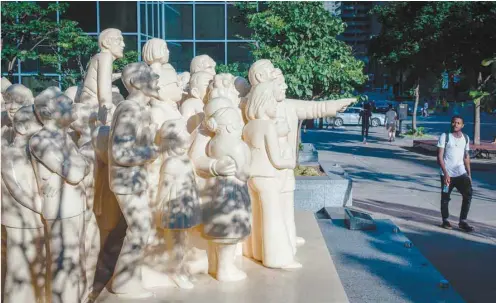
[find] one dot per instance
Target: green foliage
(129, 57)
(418, 132)
(30, 32)
(237, 69)
(306, 171)
(430, 37)
(300, 39)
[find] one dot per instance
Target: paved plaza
(391, 181)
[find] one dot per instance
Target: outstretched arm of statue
(318, 109)
(131, 147)
(105, 79)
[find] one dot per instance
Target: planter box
(315, 193)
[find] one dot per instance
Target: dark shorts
(391, 126)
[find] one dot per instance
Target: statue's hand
(225, 166)
(346, 102)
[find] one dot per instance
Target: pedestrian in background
(454, 160)
(390, 122)
(365, 115)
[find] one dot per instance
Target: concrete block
(356, 220)
(308, 154)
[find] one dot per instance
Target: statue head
(139, 76)
(223, 85)
(242, 86)
(170, 88)
(25, 121)
(184, 79)
(198, 85)
(51, 105)
(261, 71)
(111, 39)
(5, 84)
(202, 63)
(215, 104)
(15, 97)
(155, 50)
(173, 137)
(280, 86)
(262, 103)
(226, 120)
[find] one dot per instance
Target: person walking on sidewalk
(454, 160)
(390, 122)
(365, 115)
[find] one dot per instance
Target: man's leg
(127, 273)
(445, 198)
(464, 187)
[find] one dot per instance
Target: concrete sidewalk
(393, 182)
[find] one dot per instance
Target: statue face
(116, 46)
(210, 67)
(150, 86)
(171, 91)
(280, 88)
(200, 87)
(165, 58)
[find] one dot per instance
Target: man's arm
(104, 79)
(466, 160)
(318, 109)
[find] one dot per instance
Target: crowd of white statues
(195, 168)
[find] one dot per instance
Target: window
(235, 25)
(210, 21)
(239, 52)
(131, 42)
(180, 55)
(178, 21)
(38, 85)
(84, 13)
(119, 14)
(214, 50)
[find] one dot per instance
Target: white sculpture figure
(156, 55)
(15, 97)
(202, 63)
(131, 147)
(82, 125)
(178, 201)
(192, 108)
(184, 78)
(97, 86)
(60, 170)
(5, 83)
(292, 110)
(73, 92)
(227, 216)
(270, 238)
(25, 262)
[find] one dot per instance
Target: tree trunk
(477, 114)
(417, 98)
(298, 142)
(477, 123)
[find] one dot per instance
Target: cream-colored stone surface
(317, 282)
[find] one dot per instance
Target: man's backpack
(447, 139)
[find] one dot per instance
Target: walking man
(390, 122)
(454, 160)
(365, 115)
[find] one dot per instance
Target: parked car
(351, 116)
(411, 105)
(382, 106)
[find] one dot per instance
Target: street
(390, 180)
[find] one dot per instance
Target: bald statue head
(139, 76)
(111, 40)
(202, 63)
(261, 71)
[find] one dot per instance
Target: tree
(31, 32)
(300, 39)
(427, 38)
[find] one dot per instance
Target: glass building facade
(190, 28)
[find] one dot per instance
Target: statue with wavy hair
(269, 242)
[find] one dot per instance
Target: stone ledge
(316, 282)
